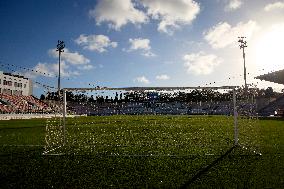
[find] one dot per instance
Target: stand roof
(275, 77)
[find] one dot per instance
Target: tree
(269, 92)
(91, 99)
(42, 97)
(69, 96)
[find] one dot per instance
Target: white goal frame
(233, 88)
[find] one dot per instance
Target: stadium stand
(22, 104)
(276, 105)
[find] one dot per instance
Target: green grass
(144, 135)
(97, 149)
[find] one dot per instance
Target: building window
(25, 85)
(16, 92)
(7, 91)
(15, 84)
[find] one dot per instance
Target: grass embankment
(193, 141)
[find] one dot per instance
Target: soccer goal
(152, 121)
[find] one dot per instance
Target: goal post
(64, 116)
(236, 134)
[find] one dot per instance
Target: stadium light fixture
(243, 45)
(60, 47)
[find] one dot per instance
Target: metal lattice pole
(60, 47)
(243, 45)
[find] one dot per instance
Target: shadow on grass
(28, 168)
(236, 168)
(206, 168)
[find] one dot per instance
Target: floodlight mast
(243, 45)
(60, 47)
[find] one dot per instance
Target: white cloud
(148, 54)
(223, 34)
(44, 70)
(64, 70)
(140, 44)
(67, 58)
(41, 69)
(117, 13)
(233, 5)
(274, 6)
(71, 57)
(98, 43)
(201, 63)
(171, 13)
(50, 70)
(86, 67)
(142, 79)
(162, 77)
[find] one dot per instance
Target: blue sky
(119, 43)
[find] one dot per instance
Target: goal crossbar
(147, 88)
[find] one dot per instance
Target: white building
(15, 84)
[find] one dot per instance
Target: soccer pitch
(142, 135)
(142, 151)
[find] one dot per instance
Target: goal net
(153, 121)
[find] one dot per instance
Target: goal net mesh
(153, 122)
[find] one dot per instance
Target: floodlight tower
(243, 45)
(60, 47)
